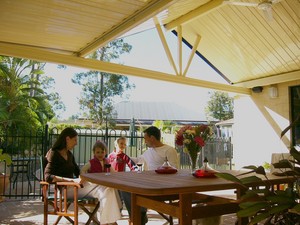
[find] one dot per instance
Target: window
(295, 113)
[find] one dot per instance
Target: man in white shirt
(152, 158)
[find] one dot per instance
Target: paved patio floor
(27, 212)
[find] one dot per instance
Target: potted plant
(5, 160)
(273, 206)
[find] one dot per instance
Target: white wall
(258, 122)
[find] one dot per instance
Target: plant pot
(4, 182)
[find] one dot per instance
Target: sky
(147, 52)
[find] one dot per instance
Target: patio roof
(251, 43)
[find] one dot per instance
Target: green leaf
(290, 126)
(260, 170)
(283, 164)
(295, 154)
(296, 208)
(5, 157)
(261, 192)
(252, 209)
(281, 199)
(297, 170)
(251, 167)
(249, 195)
(279, 208)
(248, 204)
(246, 180)
(259, 217)
(228, 176)
(286, 173)
(254, 169)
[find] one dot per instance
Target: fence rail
(26, 149)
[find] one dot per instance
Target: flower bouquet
(193, 139)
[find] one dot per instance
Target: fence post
(106, 131)
(46, 139)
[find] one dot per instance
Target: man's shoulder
(169, 147)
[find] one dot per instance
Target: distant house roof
(147, 112)
(229, 122)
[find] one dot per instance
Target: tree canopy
(99, 88)
(220, 106)
(24, 104)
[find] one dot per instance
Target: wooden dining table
(179, 195)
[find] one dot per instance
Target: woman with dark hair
(61, 166)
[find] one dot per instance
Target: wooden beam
(92, 64)
(274, 79)
(151, 9)
(203, 9)
(179, 39)
(195, 46)
(165, 44)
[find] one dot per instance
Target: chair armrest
(68, 183)
(44, 183)
(63, 183)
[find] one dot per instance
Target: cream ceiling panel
(236, 37)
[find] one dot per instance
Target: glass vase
(194, 157)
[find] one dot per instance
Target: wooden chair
(53, 195)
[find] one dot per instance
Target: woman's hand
(78, 180)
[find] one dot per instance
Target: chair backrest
(60, 203)
(43, 164)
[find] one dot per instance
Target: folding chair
(20, 166)
(60, 204)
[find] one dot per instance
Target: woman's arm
(57, 169)
(85, 168)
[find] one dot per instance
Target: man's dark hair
(154, 131)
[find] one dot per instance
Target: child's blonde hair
(118, 139)
(99, 144)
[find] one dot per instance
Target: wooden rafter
(165, 44)
(139, 17)
(203, 9)
(92, 64)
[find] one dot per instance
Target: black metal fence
(23, 175)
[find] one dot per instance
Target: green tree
(165, 126)
(99, 88)
(24, 104)
(54, 99)
(220, 106)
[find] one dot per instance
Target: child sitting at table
(110, 203)
(98, 162)
(118, 158)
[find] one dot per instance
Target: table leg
(185, 208)
(135, 211)
(241, 220)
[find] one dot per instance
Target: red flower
(193, 136)
(199, 141)
(202, 128)
(179, 140)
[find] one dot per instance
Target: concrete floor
(27, 212)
